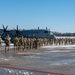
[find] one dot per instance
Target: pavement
(48, 60)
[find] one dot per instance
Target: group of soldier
(24, 43)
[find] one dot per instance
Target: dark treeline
(63, 34)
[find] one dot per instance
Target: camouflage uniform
(41, 42)
(21, 42)
(35, 43)
(31, 43)
(0, 41)
(28, 43)
(16, 41)
(7, 42)
(38, 42)
(25, 43)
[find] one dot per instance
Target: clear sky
(58, 15)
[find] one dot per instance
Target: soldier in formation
(0, 41)
(22, 43)
(7, 43)
(16, 43)
(25, 43)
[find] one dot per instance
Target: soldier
(35, 43)
(7, 42)
(41, 42)
(16, 41)
(0, 40)
(31, 43)
(25, 42)
(28, 43)
(21, 42)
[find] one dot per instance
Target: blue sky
(58, 15)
